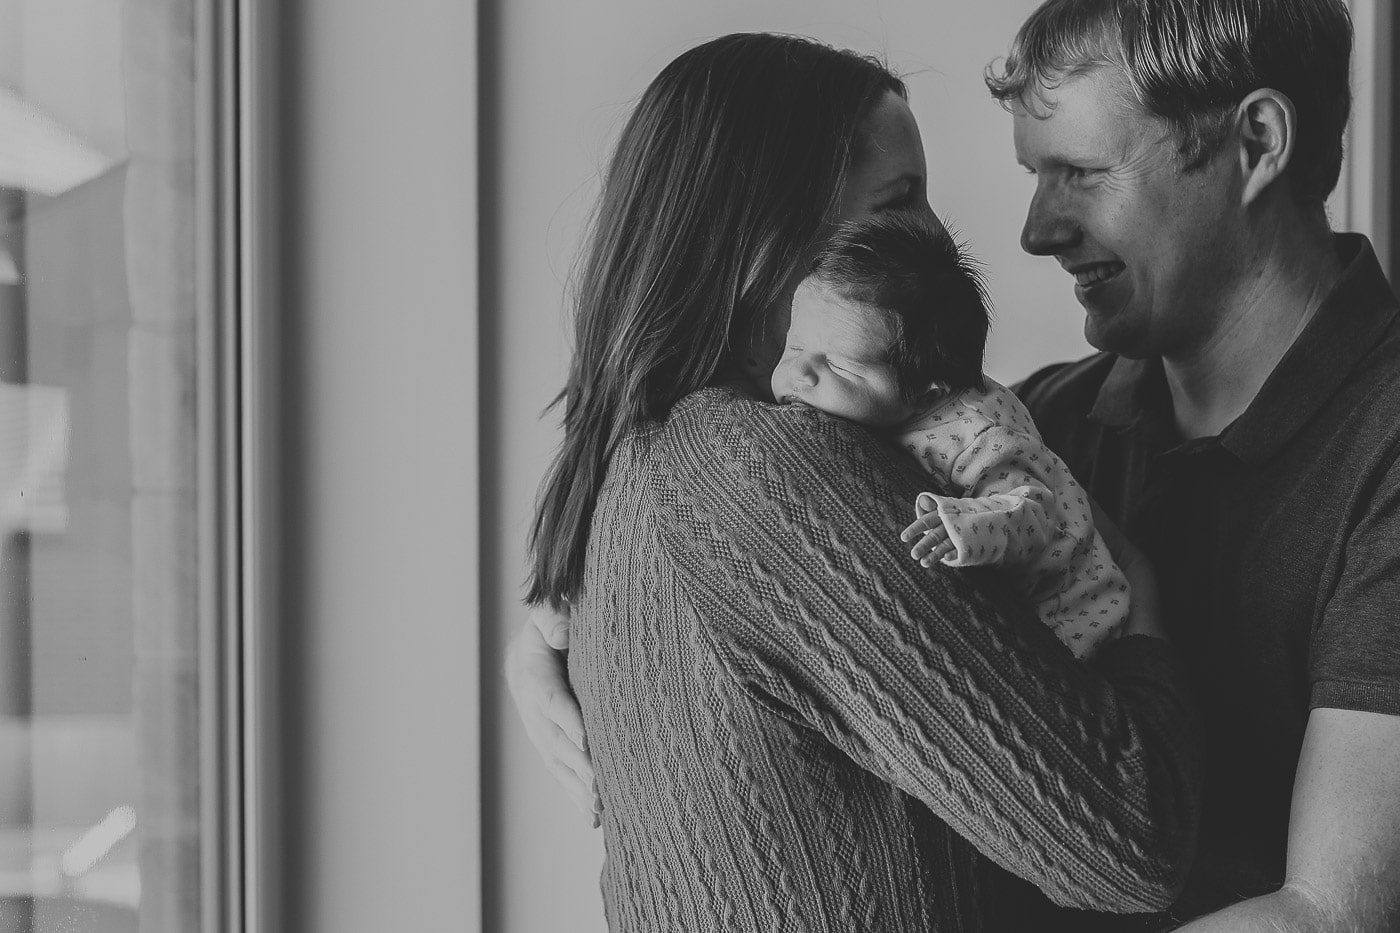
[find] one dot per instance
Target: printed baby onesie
(1022, 511)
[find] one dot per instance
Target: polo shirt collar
(1347, 325)
(1134, 398)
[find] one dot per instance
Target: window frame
(1368, 194)
(237, 68)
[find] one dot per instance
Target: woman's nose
(804, 374)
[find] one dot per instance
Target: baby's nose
(791, 375)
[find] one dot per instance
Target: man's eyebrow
(1060, 160)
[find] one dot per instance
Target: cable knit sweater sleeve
(785, 523)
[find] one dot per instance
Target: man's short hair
(927, 283)
(1193, 61)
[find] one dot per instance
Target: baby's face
(837, 358)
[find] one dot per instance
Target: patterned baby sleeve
(1004, 515)
(1010, 528)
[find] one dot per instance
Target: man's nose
(1050, 226)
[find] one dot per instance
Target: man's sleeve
(1355, 657)
(1081, 779)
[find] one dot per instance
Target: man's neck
(1214, 383)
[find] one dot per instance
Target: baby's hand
(933, 544)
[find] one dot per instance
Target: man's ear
(1268, 125)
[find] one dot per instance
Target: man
(1243, 423)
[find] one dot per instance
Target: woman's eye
(910, 198)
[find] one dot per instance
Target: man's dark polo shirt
(1276, 544)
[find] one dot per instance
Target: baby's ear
(929, 396)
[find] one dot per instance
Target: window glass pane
(99, 702)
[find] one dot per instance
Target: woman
(795, 726)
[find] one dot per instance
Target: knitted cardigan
(797, 728)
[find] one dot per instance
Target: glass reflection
(99, 790)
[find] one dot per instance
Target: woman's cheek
(763, 351)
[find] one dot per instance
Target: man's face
(1155, 251)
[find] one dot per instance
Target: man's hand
(538, 682)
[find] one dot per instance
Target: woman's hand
(539, 684)
(1144, 613)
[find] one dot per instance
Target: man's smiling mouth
(1091, 274)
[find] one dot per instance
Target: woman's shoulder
(719, 435)
(724, 415)
(720, 407)
(720, 404)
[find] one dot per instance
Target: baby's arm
(1004, 516)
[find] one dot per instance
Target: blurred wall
(377, 160)
(558, 81)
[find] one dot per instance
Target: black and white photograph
(736, 466)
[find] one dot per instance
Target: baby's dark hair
(928, 283)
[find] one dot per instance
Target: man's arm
(1343, 835)
(1343, 868)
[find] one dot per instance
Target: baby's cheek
(862, 407)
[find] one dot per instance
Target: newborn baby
(889, 330)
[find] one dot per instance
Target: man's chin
(1109, 335)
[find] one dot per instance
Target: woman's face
(888, 173)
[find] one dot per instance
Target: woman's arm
(538, 680)
(785, 525)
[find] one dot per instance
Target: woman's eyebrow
(906, 178)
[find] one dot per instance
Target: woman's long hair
(718, 189)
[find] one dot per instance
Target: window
(117, 531)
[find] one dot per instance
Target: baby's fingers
(938, 553)
(923, 526)
(932, 539)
